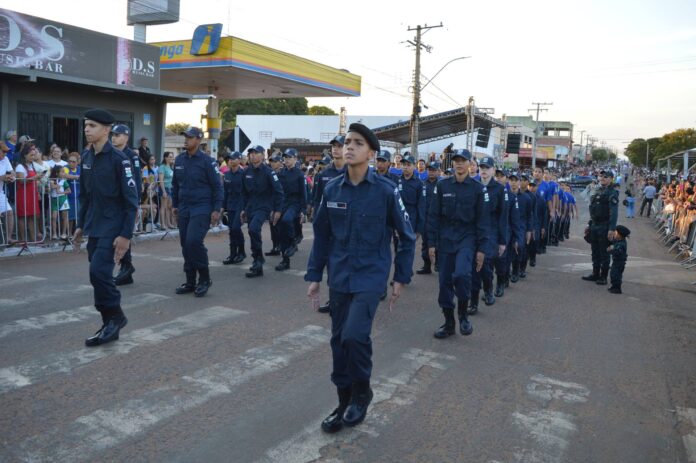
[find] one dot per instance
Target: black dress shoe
(202, 287)
(334, 422)
(326, 308)
(499, 289)
(186, 288)
(465, 327)
(289, 252)
(284, 265)
(230, 259)
(108, 332)
(273, 252)
(256, 270)
(488, 298)
(514, 278)
(591, 277)
(523, 274)
(473, 306)
(425, 270)
(444, 331)
(601, 281)
(125, 275)
(532, 262)
(614, 290)
(360, 400)
(238, 259)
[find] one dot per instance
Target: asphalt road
(558, 370)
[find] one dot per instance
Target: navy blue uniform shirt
(108, 195)
(429, 189)
(233, 190)
(533, 206)
(261, 190)
(352, 235)
(135, 163)
(498, 208)
(392, 177)
(515, 226)
(196, 186)
(294, 187)
(321, 180)
(459, 216)
(413, 195)
(524, 201)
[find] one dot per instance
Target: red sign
(525, 153)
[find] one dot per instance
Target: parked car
(578, 181)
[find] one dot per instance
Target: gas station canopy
(232, 68)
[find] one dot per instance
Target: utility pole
(415, 113)
(536, 129)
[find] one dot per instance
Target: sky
(617, 69)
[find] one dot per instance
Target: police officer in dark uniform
(276, 163)
(498, 223)
(336, 168)
(232, 203)
(525, 226)
(604, 210)
(352, 231)
(196, 202)
(108, 206)
(262, 199)
(458, 228)
(295, 200)
(429, 187)
(119, 139)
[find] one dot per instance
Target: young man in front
(352, 231)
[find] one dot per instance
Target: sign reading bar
(59, 50)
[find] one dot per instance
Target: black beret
(101, 116)
(623, 231)
(368, 134)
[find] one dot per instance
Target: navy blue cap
(502, 172)
(461, 153)
(434, 165)
(276, 157)
(120, 129)
(524, 177)
(384, 155)
(340, 139)
(408, 158)
(193, 132)
(623, 230)
(257, 149)
(234, 155)
(101, 116)
(450, 171)
(486, 161)
(607, 173)
(290, 153)
(532, 182)
(325, 161)
(513, 176)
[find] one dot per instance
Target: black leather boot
(594, 276)
(204, 283)
(233, 255)
(334, 422)
(602, 280)
(326, 308)
(274, 252)
(190, 285)
(465, 326)
(515, 275)
(500, 286)
(284, 265)
(360, 399)
(115, 320)
(240, 256)
(125, 274)
(447, 329)
(425, 269)
(473, 304)
(256, 270)
(488, 297)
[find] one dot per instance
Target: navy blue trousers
(256, 220)
(235, 229)
(286, 229)
(100, 252)
(455, 275)
(192, 231)
(351, 324)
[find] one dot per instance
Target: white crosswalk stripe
(71, 316)
(23, 375)
(88, 435)
(19, 280)
(42, 295)
(396, 390)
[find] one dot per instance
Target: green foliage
(177, 127)
(600, 155)
(321, 111)
(659, 148)
(229, 109)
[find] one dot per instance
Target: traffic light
(482, 137)
(513, 143)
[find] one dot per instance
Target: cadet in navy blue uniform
(458, 228)
(232, 204)
(352, 230)
(383, 164)
(502, 263)
(498, 211)
(295, 200)
(119, 140)
(525, 227)
(108, 206)
(336, 168)
(196, 202)
(532, 248)
(262, 196)
(412, 194)
(429, 187)
(275, 161)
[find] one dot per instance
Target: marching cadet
(543, 209)
(196, 202)
(502, 263)
(295, 200)
(233, 206)
(412, 194)
(429, 186)
(383, 165)
(523, 203)
(262, 199)
(119, 139)
(458, 228)
(619, 254)
(533, 243)
(108, 206)
(572, 211)
(336, 168)
(352, 231)
(276, 163)
(498, 223)
(604, 209)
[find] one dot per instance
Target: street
(558, 370)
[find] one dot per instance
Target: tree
(600, 155)
(659, 148)
(177, 127)
(230, 109)
(321, 111)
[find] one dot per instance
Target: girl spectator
(222, 164)
(60, 188)
(630, 201)
(150, 204)
(43, 170)
(166, 173)
(56, 157)
(73, 177)
(27, 199)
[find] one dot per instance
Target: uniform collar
(197, 154)
(107, 148)
(369, 176)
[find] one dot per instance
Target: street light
(443, 67)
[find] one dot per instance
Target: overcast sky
(618, 69)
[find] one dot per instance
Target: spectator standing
(56, 159)
(27, 198)
(649, 193)
(166, 174)
(60, 188)
(150, 181)
(11, 142)
(144, 150)
(73, 177)
(7, 177)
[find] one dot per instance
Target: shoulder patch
(275, 177)
(614, 200)
(486, 198)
